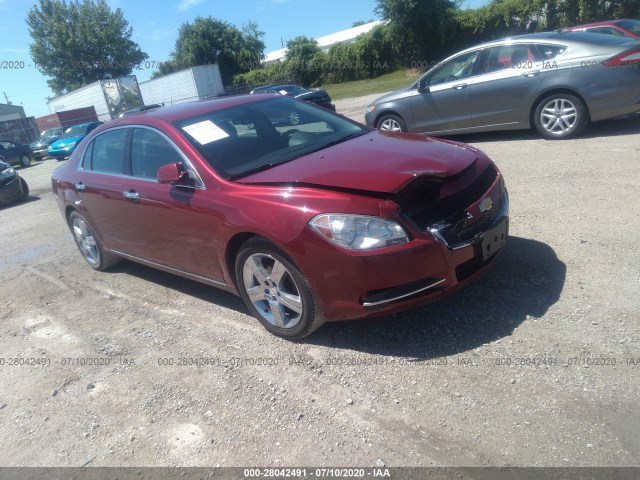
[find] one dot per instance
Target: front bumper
(10, 190)
(61, 152)
(40, 152)
(369, 119)
(353, 285)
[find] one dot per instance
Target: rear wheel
(392, 123)
(560, 116)
(275, 290)
(89, 245)
(25, 160)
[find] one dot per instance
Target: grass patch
(384, 83)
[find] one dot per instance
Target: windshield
(632, 25)
(75, 131)
(248, 138)
(54, 132)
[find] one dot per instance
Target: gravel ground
(535, 364)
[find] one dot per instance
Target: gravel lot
(535, 364)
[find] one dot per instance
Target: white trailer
(87, 96)
(113, 96)
(109, 97)
(187, 85)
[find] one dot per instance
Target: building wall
(21, 130)
(67, 118)
(325, 43)
(11, 112)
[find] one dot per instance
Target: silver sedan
(555, 81)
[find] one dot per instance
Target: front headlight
(70, 145)
(370, 108)
(358, 232)
(7, 173)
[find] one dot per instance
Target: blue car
(70, 139)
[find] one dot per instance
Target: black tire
(560, 116)
(391, 123)
(283, 303)
(88, 244)
(25, 160)
(25, 189)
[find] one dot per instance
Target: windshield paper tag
(205, 132)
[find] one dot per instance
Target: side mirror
(422, 86)
(171, 173)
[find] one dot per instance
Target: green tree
(304, 60)
(422, 29)
(79, 42)
(209, 40)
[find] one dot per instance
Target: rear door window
(106, 152)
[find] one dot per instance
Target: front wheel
(25, 160)
(560, 116)
(89, 245)
(392, 123)
(25, 189)
(275, 291)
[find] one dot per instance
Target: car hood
(63, 142)
(400, 93)
(382, 162)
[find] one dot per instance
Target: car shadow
(29, 199)
(485, 311)
(628, 125)
(183, 285)
(525, 280)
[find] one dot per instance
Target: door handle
(460, 86)
(532, 74)
(131, 195)
(80, 187)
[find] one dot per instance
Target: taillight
(628, 58)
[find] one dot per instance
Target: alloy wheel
(86, 241)
(559, 116)
(272, 290)
(390, 125)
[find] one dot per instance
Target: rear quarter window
(549, 52)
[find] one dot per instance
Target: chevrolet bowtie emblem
(486, 204)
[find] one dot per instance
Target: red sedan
(322, 221)
(621, 28)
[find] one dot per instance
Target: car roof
(558, 37)
(598, 24)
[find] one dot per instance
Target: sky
(155, 28)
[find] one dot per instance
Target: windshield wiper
(251, 171)
(342, 139)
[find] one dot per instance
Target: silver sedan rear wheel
(560, 116)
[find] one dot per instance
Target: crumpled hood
(375, 162)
